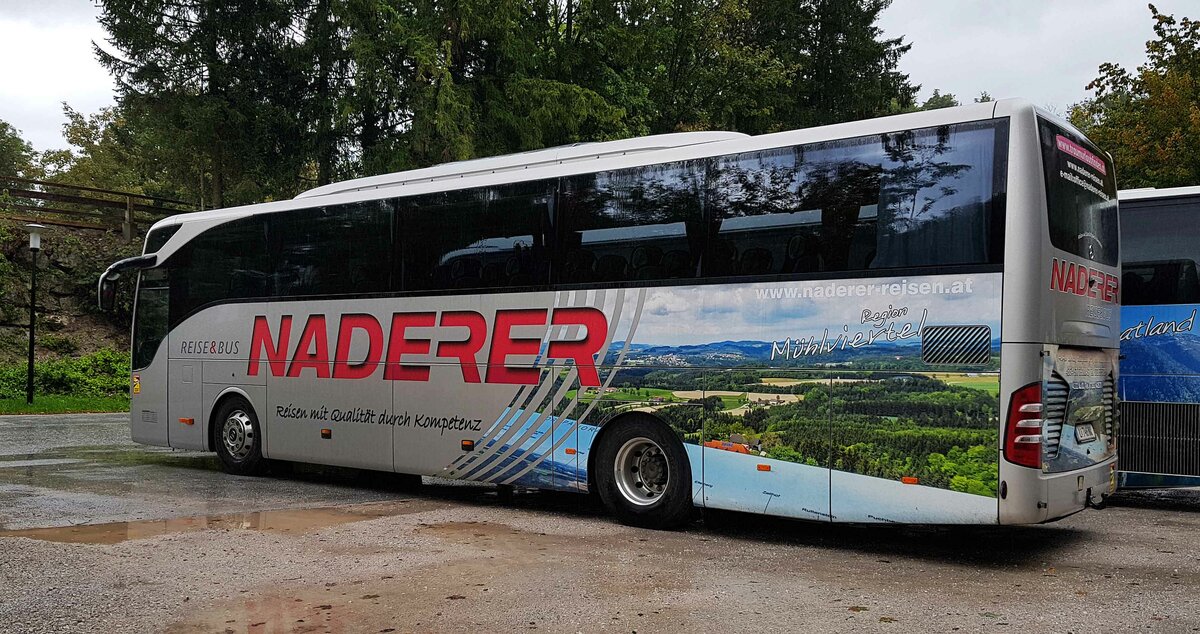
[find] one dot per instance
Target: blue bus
(1160, 345)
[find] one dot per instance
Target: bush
(102, 373)
(57, 343)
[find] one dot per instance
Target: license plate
(1084, 433)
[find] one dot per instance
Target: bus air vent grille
(1160, 438)
(1054, 402)
(956, 345)
(1110, 408)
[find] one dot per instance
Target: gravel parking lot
(99, 534)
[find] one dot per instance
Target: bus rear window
(1081, 195)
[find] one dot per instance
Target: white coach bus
(909, 319)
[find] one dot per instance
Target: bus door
(147, 389)
(766, 449)
(208, 359)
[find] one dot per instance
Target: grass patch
(733, 402)
(779, 382)
(989, 384)
(641, 394)
(64, 404)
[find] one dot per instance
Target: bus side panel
(906, 447)
(207, 356)
(221, 378)
(763, 400)
(921, 446)
(339, 431)
(185, 424)
(748, 468)
(508, 429)
(1159, 390)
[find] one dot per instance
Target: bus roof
(1153, 192)
(524, 160)
(581, 159)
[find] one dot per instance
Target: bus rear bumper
(1073, 491)
(1046, 497)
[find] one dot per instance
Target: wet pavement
(83, 469)
(100, 534)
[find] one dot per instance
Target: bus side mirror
(107, 294)
(106, 289)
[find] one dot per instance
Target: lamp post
(35, 244)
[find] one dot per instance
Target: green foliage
(57, 343)
(257, 99)
(17, 157)
(1149, 119)
(111, 150)
(938, 100)
(63, 404)
(102, 373)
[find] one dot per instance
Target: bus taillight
(1023, 436)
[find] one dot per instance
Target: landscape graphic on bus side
(825, 389)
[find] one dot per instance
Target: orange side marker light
(764, 467)
(468, 445)
(909, 480)
(570, 452)
(188, 421)
(326, 434)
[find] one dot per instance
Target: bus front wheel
(643, 474)
(238, 438)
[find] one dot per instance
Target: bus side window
(490, 237)
(226, 262)
(335, 250)
(1160, 260)
(1163, 282)
(792, 210)
(641, 224)
(939, 194)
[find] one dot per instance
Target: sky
(1043, 51)
(755, 313)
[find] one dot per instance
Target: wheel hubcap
(642, 472)
(238, 435)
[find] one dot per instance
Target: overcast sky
(1040, 50)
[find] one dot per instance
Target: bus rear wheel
(238, 438)
(643, 474)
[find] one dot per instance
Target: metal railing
(66, 205)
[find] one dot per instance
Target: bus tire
(238, 437)
(643, 474)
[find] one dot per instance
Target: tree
(1149, 119)
(213, 83)
(17, 157)
(257, 99)
(107, 152)
(843, 69)
(938, 100)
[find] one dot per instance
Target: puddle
(281, 521)
(42, 462)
